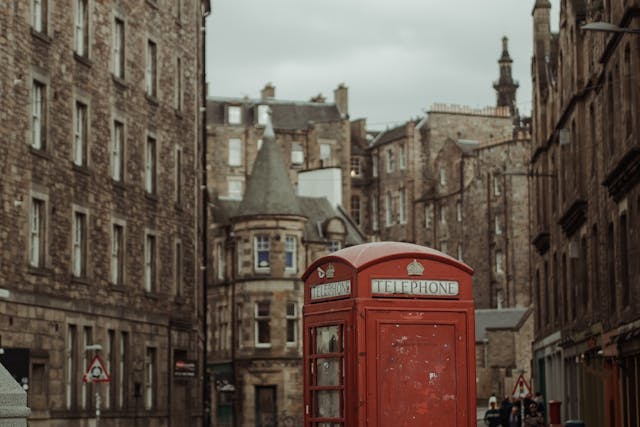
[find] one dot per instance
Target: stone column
(13, 401)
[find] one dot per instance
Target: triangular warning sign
(521, 388)
(97, 373)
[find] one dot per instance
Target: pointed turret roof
(505, 51)
(269, 189)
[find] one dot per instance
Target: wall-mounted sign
(185, 368)
(440, 288)
(330, 290)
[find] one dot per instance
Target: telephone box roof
(361, 256)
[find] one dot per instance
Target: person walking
(533, 417)
(492, 416)
(505, 410)
(514, 420)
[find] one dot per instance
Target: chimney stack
(268, 92)
(341, 98)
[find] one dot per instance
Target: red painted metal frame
(362, 313)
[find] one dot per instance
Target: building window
(151, 74)
(117, 152)
(263, 114)
(325, 154)
(39, 16)
(79, 254)
(374, 165)
(403, 206)
(297, 153)
(334, 245)
(239, 256)
(387, 210)
(117, 254)
(235, 152)
(498, 225)
(262, 324)
(179, 91)
(262, 253)
(80, 135)
(292, 323)
(71, 374)
(123, 352)
(223, 325)
(150, 166)
(290, 253)
(390, 160)
(266, 408)
(443, 214)
(499, 267)
(37, 240)
(459, 211)
(82, 28)
(221, 260)
(150, 378)
(234, 188)
(178, 279)
(403, 157)
(355, 208)
(444, 247)
(428, 215)
(496, 186)
(443, 177)
(355, 166)
(178, 176)
(150, 263)
(118, 48)
(459, 252)
(374, 213)
(239, 319)
(38, 118)
(234, 115)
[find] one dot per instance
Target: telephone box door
(419, 376)
(328, 339)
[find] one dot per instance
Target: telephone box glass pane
(328, 424)
(328, 404)
(328, 340)
(328, 371)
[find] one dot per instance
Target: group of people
(509, 414)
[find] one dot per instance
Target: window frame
(150, 261)
(82, 28)
(40, 16)
(403, 206)
(235, 154)
(80, 133)
(292, 324)
(150, 378)
(38, 115)
(38, 237)
(261, 244)
(297, 153)
(151, 69)
(388, 214)
(79, 243)
(402, 161)
(118, 151)
(234, 114)
(151, 165)
(259, 320)
(356, 208)
(119, 48)
(118, 247)
(290, 252)
(390, 160)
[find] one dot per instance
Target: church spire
(505, 86)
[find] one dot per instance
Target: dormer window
(355, 166)
(234, 115)
(263, 114)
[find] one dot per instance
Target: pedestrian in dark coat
(514, 419)
(492, 416)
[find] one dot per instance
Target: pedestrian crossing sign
(96, 373)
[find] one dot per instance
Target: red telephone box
(389, 339)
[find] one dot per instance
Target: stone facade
(98, 206)
(585, 216)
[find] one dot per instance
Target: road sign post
(97, 373)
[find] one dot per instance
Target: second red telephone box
(389, 339)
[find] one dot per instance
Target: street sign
(97, 373)
(521, 388)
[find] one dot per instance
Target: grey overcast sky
(397, 57)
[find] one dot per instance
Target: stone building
(586, 211)
(260, 245)
(314, 137)
(456, 180)
(99, 201)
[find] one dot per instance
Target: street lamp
(607, 27)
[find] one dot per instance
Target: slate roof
(504, 318)
(317, 209)
(287, 115)
(269, 190)
(467, 146)
(390, 135)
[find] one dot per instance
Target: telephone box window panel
(327, 376)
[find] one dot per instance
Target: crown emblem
(415, 268)
(330, 271)
(321, 273)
